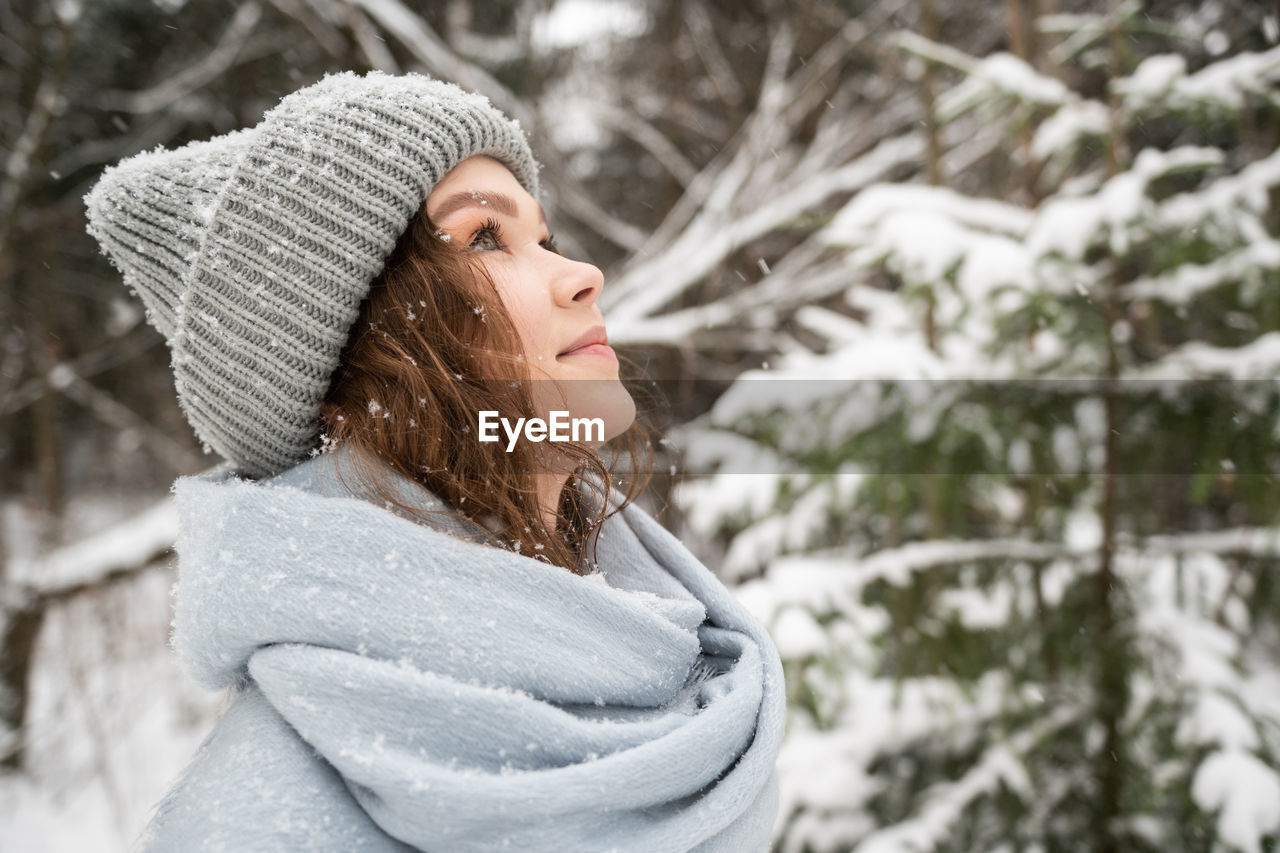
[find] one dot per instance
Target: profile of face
(551, 298)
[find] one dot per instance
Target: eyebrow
(500, 202)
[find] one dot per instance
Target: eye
(550, 244)
(488, 237)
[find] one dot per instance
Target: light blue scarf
(399, 687)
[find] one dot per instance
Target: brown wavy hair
(432, 347)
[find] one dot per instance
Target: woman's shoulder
(255, 785)
(337, 474)
(332, 474)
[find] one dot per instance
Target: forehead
(479, 174)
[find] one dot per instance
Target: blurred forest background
(1011, 512)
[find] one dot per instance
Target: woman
(432, 640)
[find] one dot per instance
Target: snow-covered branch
(649, 285)
(121, 549)
(1001, 764)
(1162, 82)
(820, 581)
(762, 185)
(1185, 282)
(1258, 359)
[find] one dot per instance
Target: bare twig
(578, 204)
(650, 138)
(48, 102)
(372, 45)
(230, 49)
(399, 21)
(93, 152)
(324, 32)
(713, 59)
(84, 366)
(115, 414)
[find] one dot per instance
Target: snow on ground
(111, 720)
(106, 743)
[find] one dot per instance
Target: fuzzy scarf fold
(471, 698)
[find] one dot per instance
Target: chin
(618, 411)
(606, 399)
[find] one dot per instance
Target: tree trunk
(18, 632)
(1112, 679)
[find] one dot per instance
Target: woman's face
(551, 298)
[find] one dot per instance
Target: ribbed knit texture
(252, 251)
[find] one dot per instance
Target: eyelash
(494, 230)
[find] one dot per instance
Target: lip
(594, 341)
(593, 350)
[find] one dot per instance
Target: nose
(578, 282)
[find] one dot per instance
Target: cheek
(528, 312)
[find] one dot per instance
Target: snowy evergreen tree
(1019, 545)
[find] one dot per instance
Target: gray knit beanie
(252, 251)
